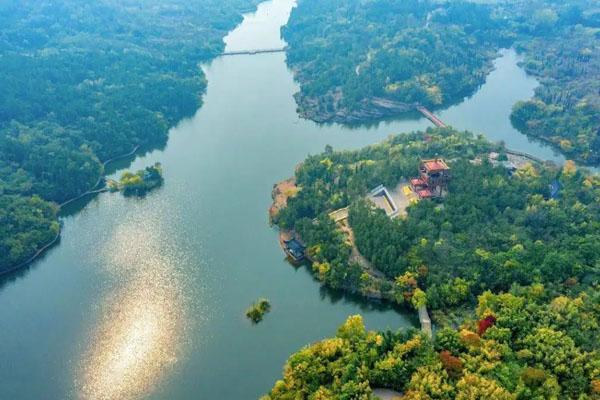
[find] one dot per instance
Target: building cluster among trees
(508, 262)
(494, 227)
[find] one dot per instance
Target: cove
(145, 298)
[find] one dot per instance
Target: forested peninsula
(498, 224)
(507, 260)
(84, 82)
(363, 61)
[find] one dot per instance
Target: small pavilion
(434, 175)
(294, 249)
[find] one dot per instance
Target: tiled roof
(425, 193)
(435, 165)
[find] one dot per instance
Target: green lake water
(145, 298)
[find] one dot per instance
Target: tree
(419, 299)
(472, 387)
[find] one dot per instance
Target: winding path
(92, 190)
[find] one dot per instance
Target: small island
(256, 312)
(140, 182)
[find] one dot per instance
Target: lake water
(145, 298)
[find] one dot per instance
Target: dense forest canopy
(525, 344)
(86, 81)
(495, 228)
(350, 56)
(363, 60)
(509, 260)
(562, 49)
(26, 224)
(519, 260)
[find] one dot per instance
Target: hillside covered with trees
(360, 60)
(560, 42)
(84, 82)
(363, 61)
(525, 344)
(494, 229)
(509, 267)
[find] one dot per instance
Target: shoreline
(287, 188)
(376, 113)
(42, 250)
(422, 316)
(376, 109)
(280, 194)
(93, 190)
(526, 155)
(35, 256)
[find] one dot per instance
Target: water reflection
(139, 335)
(172, 326)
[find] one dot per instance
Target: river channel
(145, 298)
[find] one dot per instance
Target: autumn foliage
(470, 338)
(539, 348)
(452, 365)
(484, 324)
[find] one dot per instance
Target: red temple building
(433, 178)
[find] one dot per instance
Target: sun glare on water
(137, 340)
